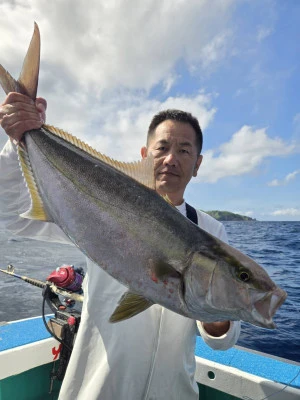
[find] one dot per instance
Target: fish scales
(129, 219)
(111, 212)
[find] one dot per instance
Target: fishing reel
(65, 323)
(66, 282)
(69, 278)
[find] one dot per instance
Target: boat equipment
(64, 281)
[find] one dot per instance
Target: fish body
(112, 213)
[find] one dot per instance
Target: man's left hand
(216, 329)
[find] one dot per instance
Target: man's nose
(171, 159)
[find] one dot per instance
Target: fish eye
(244, 276)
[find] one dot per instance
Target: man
(150, 356)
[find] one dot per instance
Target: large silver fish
(110, 210)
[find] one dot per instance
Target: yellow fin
(161, 270)
(130, 305)
(29, 76)
(36, 210)
(167, 199)
(8, 83)
(142, 171)
(28, 80)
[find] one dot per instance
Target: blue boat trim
(262, 365)
(28, 331)
(22, 332)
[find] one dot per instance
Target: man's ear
(144, 152)
(197, 165)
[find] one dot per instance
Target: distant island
(228, 216)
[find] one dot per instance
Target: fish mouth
(265, 306)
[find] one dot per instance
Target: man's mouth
(168, 173)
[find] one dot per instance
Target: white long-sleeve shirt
(149, 356)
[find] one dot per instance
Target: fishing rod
(64, 281)
(35, 282)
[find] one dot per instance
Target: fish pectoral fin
(37, 209)
(129, 305)
(161, 270)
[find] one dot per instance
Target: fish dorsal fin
(142, 171)
(37, 209)
(129, 305)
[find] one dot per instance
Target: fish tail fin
(28, 80)
(8, 83)
(27, 84)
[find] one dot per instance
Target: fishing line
(281, 390)
(277, 391)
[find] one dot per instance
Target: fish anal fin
(37, 210)
(129, 305)
(142, 171)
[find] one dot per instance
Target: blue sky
(107, 68)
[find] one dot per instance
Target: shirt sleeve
(230, 338)
(15, 199)
(223, 342)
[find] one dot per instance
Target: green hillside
(228, 216)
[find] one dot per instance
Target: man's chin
(165, 187)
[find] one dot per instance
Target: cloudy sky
(107, 66)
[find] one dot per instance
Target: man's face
(173, 146)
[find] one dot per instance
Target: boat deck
(27, 352)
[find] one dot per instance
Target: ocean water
(274, 245)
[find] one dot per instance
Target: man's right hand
(19, 114)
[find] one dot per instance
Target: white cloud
(215, 50)
(118, 127)
(244, 152)
(263, 32)
(288, 178)
(109, 44)
(99, 62)
(274, 182)
(291, 176)
(169, 81)
(289, 212)
(246, 213)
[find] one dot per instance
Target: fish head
(232, 286)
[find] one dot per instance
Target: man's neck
(176, 199)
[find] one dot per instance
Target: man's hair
(180, 116)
